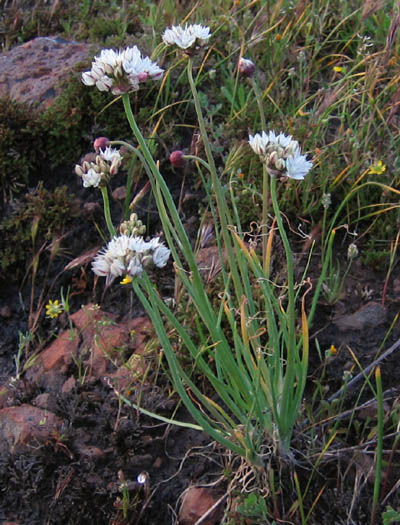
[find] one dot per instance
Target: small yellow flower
(378, 168)
(126, 280)
(54, 309)
(333, 350)
(338, 69)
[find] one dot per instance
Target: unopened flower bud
(326, 200)
(100, 143)
(246, 67)
(352, 251)
(177, 159)
(78, 170)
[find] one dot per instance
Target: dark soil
(76, 477)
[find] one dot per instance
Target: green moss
(41, 216)
(22, 146)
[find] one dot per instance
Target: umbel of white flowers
(105, 166)
(121, 71)
(125, 255)
(281, 154)
(186, 37)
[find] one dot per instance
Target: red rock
(44, 401)
(195, 503)
(25, 428)
(33, 71)
(68, 385)
(59, 354)
(96, 343)
(53, 362)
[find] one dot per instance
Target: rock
(52, 363)
(5, 312)
(6, 394)
(69, 385)
(96, 345)
(119, 193)
(33, 71)
(46, 401)
(25, 428)
(195, 503)
(370, 315)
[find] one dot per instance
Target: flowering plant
(250, 350)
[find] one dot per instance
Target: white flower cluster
(281, 154)
(106, 165)
(125, 255)
(121, 71)
(186, 37)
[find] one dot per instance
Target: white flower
(91, 178)
(259, 142)
(110, 154)
(186, 37)
(297, 167)
(106, 164)
(161, 255)
(120, 71)
(280, 153)
(125, 255)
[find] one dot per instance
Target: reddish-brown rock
(33, 71)
(195, 503)
(52, 363)
(97, 346)
(25, 428)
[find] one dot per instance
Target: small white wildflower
(121, 71)
(161, 255)
(280, 153)
(297, 167)
(110, 154)
(105, 166)
(142, 478)
(129, 256)
(91, 178)
(186, 37)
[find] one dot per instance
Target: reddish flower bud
(101, 143)
(177, 159)
(246, 67)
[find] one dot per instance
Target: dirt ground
(86, 471)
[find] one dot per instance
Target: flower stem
(107, 214)
(258, 95)
(264, 216)
(286, 411)
(223, 211)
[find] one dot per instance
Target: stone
(52, 363)
(33, 71)
(370, 315)
(26, 428)
(195, 503)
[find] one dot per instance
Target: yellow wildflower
(378, 168)
(338, 69)
(333, 350)
(126, 280)
(54, 309)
